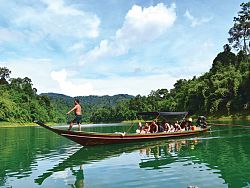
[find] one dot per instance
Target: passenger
(160, 127)
(198, 122)
(153, 127)
(146, 128)
(184, 125)
(140, 128)
(172, 129)
(201, 121)
(166, 127)
(177, 126)
(190, 124)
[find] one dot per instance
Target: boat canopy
(163, 114)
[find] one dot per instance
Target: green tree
(4, 74)
(223, 59)
(240, 32)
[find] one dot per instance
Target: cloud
(69, 87)
(193, 61)
(38, 70)
(57, 19)
(45, 79)
(141, 25)
(196, 21)
(76, 47)
(7, 35)
(50, 25)
(132, 85)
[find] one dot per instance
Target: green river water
(36, 157)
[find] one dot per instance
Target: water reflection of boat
(151, 158)
(92, 138)
(165, 154)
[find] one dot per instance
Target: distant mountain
(63, 103)
(59, 97)
(92, 100)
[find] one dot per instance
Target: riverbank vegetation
(223, 91)
(19, 101)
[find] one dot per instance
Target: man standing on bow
(78, 115)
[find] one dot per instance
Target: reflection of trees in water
(76, 171)
(88, 154)
(231, 156)
(169, 148)
(229, 153)
(160, 155)
(215, 153)
(20, 147)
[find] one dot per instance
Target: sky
(93, 47)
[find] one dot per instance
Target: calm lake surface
(35, 157)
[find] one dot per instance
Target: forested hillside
(63, 103)
(91, 100)
(19, 101)
(223, 91)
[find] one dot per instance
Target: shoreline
(229, 118)
(4, 124)
(28, 124)
(212, 118)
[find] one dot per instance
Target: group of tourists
(166, 126)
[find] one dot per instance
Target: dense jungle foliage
(19, 101)
(223, 91)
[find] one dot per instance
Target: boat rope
(183, 119)
(132, 124)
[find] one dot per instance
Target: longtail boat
(94, 138)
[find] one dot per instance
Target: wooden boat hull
(91, 138)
